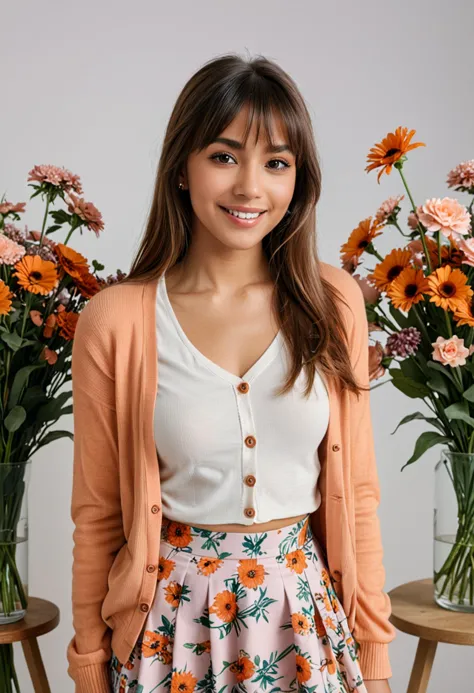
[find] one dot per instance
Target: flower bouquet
(420, 294)
(43, 287)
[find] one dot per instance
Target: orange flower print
(225, 606)
(301, 625)
(296, 561)
(183, 682)
(153, 643)
(329, 664)
(243, 667)
(325, 577)
(320, 627)
(173, 594)
(303, 669)
(204, 646)
(302, 533)
(208, 565)
(250, 573)
(165, 568)
(330, 623)
(178, 534)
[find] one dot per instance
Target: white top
(228, 455)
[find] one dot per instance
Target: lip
(245, 223)
(239, 208)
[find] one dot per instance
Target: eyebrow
(238, 145)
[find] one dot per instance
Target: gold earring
(181, 186)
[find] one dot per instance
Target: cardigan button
(336, 447)
(155, 509)
(243, 387)
(250, 441)
(151, 568)
(144, 606)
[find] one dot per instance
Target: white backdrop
(90, 86)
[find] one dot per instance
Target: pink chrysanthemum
(87, 212)
(403, 343)
(60, 177)
(6, 207)
(10, 252)
(14, 233)
(462, 176)
(387, 208)
(447, 215)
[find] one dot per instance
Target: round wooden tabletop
(41, 617)
(415, 611)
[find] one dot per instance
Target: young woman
(225, 485)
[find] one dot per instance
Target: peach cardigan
(116, 501)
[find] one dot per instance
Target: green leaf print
(252, 544)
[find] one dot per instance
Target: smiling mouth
(229, 211)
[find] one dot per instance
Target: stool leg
(35, 665)
(420, 673)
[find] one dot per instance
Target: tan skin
(221, 291)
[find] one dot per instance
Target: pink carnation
(60, 177)
(387, 208)
(467, 247)
(462, 176)
(371, 293)
(450, 351)
(446, 215)
(10, 252)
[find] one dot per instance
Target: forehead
(256, 134)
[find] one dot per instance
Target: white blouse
(229, 450)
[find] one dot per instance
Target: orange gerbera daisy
(390, 150)
(359, 239)
(208, 565)
(183, 682)
(36, 275)
(178, 534)
(5, 298)
(250, 573)
(463, 314)
(448, 288)
(165, 568)
(303, 669)
(390, 267)
(225, 606)
(408, 288)
(153, 643)
(296, 561)
(72, 262)
(243, 667)
(300, 624)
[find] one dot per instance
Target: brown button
(250, 480)
(249, 512)
(250, 441)
(151, 568)
(336, 447)
(243, 387)
(144, 606)
(155, 508)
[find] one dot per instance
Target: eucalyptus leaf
(19, 382)
(408, 386)
(411, 370)
(54, 435)
(12, 339)
(51, 410)
(469, 394)
(418, 415)
(458, 411)
(15, 418)
(438, 384)
(436, 366)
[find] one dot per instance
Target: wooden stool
(415, 611)
(41, 617)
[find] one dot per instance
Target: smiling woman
(225, 484)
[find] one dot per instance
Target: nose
(249, 181)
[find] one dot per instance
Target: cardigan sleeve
(372, 630)
(95, 501)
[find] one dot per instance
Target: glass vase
(453, 527)
(14, 482)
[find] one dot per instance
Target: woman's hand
(378, 686)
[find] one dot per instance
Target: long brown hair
(307, 304)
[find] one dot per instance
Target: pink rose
(446, 215)
(371, 293)
(450, 351)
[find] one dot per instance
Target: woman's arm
(95, 505)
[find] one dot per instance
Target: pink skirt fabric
(241, 612)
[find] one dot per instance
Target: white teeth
(243, 215)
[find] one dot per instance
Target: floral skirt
(241, 612)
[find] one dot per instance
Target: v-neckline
(260, 364)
